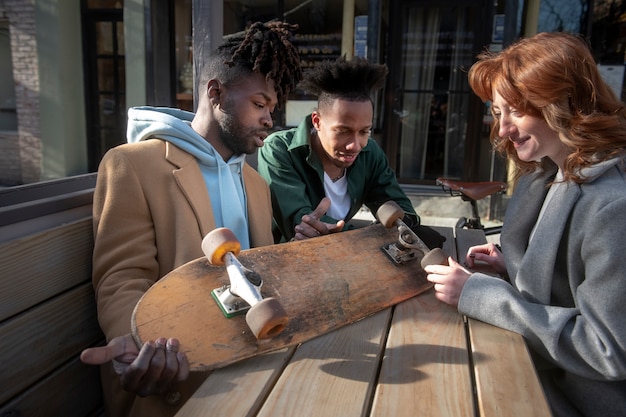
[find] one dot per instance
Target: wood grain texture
(323, 284)
(41, 266)
(506, 380)
(72, 390)
(43, 338)
(239, 389)
(505, 377)
(413, 359)
(425, 370)
(332, 375)
(47, 306)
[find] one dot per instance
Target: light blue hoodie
(223, 180)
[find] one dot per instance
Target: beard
(237, 137)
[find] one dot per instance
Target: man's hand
(153, 370)
(311, 226)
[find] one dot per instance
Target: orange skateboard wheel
(267, 318)
(389, 212)
(219, 242)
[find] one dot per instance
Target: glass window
(608, 41)
(431, 104)
(105, 4)
(8, 114)
(562, 16)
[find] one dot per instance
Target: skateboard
(234, 304)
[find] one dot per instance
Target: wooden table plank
(497, 352)
(332, 375)
(425, 370)
(238, 389)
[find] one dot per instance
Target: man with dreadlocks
(322, 172)
(180, 176)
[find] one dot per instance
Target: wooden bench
(47, 306)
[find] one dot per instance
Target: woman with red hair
(562, 282)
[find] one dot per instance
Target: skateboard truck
(403, 250)
(265, 316)
(244, 289)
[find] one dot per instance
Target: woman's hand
(449, 280)
(488, 254)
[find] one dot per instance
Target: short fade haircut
(354, 80)
(265, 48)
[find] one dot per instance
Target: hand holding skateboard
(289, 292)
(266, 317)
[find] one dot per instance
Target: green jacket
(296, 179)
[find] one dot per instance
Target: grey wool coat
(567, 290)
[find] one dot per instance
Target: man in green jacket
(323, 171)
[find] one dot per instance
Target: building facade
(69, 70)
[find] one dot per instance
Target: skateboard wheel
(389, 212)
(434, 257)
(218, 243)
(267, 318)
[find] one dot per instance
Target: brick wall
(10, 160)
(24, 147)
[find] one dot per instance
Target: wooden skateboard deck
(322, 283)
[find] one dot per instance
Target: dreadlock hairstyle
(265, 48)
(354, 80)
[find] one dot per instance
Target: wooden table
(420, 358)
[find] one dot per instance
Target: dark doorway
(105, 101)
(433, 122)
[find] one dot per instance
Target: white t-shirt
(337, 191)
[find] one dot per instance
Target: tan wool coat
(151, 211)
